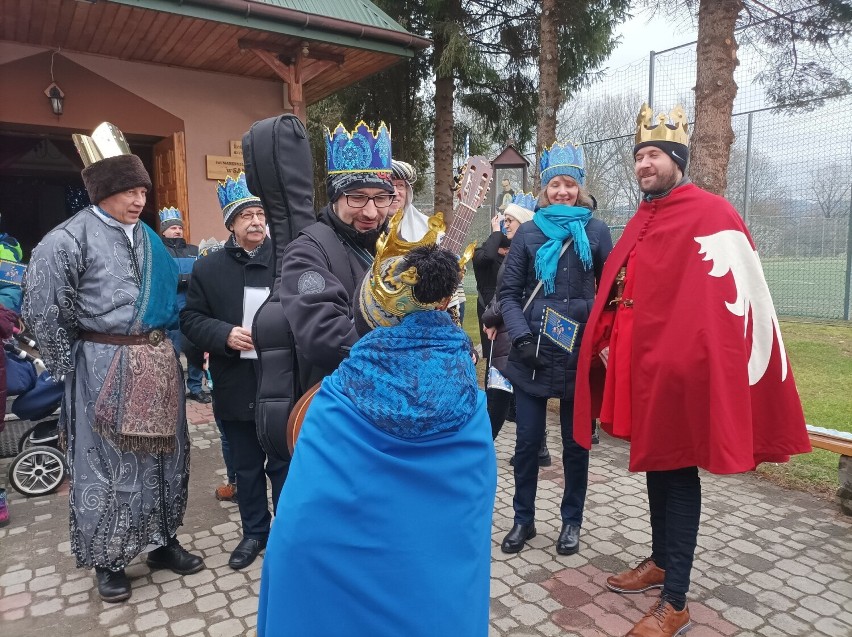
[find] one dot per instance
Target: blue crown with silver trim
(168, 216)
(562, 159)
(360, 151)
(234, 195)
(525, 200)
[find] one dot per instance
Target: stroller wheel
(37, 471)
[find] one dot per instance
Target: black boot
(517, 537)
(246, 552)
(569, 540)
(175, 558)
(113, 586)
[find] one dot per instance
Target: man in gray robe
(98, 294)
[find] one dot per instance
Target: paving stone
(44, 582)
(742, 617)
(151, 620)
(12, 577)
(10, 602)
(211, 602)
(228, 628)
(176, 598)
(46, 608)
(767, 559)
(187, 626)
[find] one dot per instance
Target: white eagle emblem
(730, 251)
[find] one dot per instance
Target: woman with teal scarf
(564, 247)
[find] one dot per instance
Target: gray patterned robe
(82, 276)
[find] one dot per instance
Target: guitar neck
(454, 239)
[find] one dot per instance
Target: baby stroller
(39, 468)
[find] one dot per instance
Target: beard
(657, 181)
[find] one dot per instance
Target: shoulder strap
(565, 245)
(335, 254)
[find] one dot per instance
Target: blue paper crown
(170, 214)
(525, 200)
(361, 151)
(235, 195)
(562, 159)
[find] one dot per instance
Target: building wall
(210, 108)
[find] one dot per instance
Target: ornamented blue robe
(86, 276)
(384, 524)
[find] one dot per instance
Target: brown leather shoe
(645, 576)
(227, 492)
(662, 621)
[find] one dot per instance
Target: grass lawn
(821, 357)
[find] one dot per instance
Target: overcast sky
(646, 32)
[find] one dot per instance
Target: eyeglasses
(357, 200)
(248, 216)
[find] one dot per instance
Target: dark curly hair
(438, 271)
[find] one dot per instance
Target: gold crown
(387, 293)
(662, 132)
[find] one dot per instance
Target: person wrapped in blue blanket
(384, 523)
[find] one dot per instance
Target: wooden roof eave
(290, 22)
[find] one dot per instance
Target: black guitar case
(279, 170)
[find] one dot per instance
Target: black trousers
(532, 414)
(252, 467)
(674, 498)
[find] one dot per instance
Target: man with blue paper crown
(184, 254)
(218, 320)
(99, 295)
(323, 265)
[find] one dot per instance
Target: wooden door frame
(178, 140)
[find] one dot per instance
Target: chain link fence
(789, 176)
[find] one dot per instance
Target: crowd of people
(669, 339)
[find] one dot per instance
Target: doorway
(41, 186)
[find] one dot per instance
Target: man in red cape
(683, 356)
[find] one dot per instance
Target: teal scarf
(156, 306)
(157, 302)
(558, 222)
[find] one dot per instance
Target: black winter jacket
(493, 317)
(573, 296)
(318, 297)
(214, 306)
(486, 263)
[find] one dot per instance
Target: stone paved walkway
(770, 562)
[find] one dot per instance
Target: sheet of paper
(253, 298)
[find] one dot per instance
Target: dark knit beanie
(339, 183)
(169, 223)
(678, 152)
(114, 174)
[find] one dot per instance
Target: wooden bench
(830, 439)
(839, 442)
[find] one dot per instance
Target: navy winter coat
(572, 297)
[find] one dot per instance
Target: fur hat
(109, 176)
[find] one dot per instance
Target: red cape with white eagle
(710, 384)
